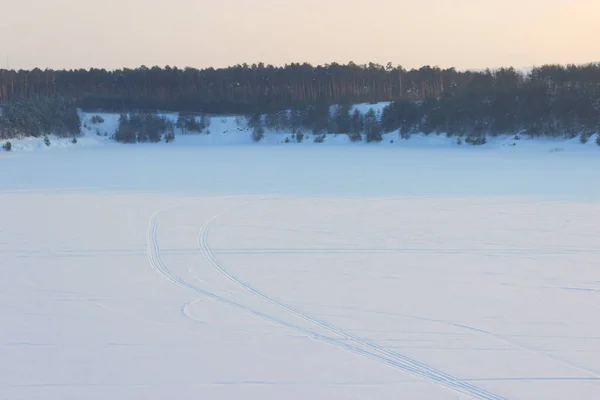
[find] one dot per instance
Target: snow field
(267, 272)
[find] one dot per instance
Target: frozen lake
(280, 272)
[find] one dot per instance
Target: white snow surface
(215, 268)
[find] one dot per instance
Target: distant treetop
(249, 88)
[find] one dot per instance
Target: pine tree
(169, 137)
(356, 123)
(181, 124)
(193, 125)
(154, 126)
(47, 141)
(476, 140)
(125, 131)
(355, 137)
(254, 121)
(258, 133)
(340, 120)
(7, 146)
(271, 122)
(372, 127)
(97, 119)
(204, 123)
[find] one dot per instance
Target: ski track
(593, 375)
(435, 376)
(483, 251)
(209, 255)
(367, 348)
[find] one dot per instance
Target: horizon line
(320, 65)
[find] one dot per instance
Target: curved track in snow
(162, 269)
(361, 345)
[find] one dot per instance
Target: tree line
(319, 119)
(238, 89)
(245, 88)
(39, 117)
(550, 100)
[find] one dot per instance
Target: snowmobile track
(372, 350)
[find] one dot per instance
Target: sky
(465, 34)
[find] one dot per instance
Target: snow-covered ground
(233, 130)
(195, 269)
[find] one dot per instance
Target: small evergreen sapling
(7, 146)
(319, 138)
(47, 141)
(356, 137)
(258, 133)
(169, 137)
(96, 119)
(476, 140)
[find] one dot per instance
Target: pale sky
(200, 33)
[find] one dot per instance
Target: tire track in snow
(378, 352)
(449, 382)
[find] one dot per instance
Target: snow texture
(215, 268)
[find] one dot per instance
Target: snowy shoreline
(226, 131)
